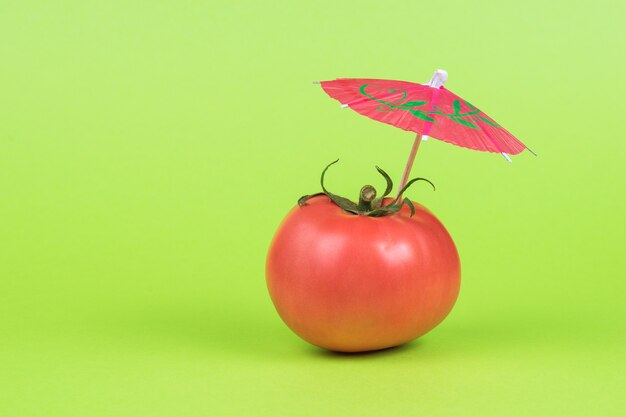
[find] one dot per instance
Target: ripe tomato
(350, 283)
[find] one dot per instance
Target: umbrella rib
(511, 141)
(493, 141)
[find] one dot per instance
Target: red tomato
(351, 283)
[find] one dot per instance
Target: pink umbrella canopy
(426, 109)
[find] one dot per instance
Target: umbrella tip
(507, 157)
(439, 78)
(316, 82)
(531, 151)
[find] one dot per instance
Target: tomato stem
(368, 204)
(366, 196)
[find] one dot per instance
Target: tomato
(349, 283)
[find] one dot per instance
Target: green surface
(148, 151)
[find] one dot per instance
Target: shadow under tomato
(369, 354)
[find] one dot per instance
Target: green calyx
(368, 204)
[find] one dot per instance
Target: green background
(149, 150)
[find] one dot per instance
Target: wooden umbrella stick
(409, 163)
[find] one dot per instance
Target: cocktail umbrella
(428, 109)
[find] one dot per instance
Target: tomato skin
(352, 283)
